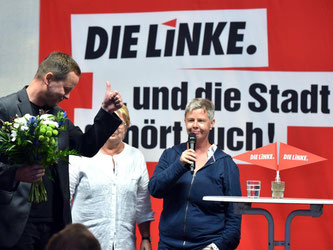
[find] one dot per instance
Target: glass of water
(253, 188)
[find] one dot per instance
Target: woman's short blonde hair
(123, 111)
(201, 103)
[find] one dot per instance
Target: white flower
(22, 122)
(13, 135)
(24, 128)
(46, 117)
(27, 116)
(19, 121)
(49, 122)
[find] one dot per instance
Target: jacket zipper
(188, 197)
(186, 209)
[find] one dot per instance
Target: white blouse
(110, 200)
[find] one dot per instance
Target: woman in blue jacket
(188, 222)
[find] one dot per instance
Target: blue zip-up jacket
(188, 222)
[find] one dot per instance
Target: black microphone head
(192, 139)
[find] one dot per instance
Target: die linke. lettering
(261, 157)
(187, 37)
(295, 157)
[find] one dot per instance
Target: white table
(242, 205)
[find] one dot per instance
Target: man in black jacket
(25, 225)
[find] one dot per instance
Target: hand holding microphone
(189, 156)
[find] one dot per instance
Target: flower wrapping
(33, 140)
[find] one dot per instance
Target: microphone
(192, 139)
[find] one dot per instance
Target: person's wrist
(146, 238)
(105, 107)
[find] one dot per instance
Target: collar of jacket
(23, 99)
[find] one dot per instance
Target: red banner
(270, 79)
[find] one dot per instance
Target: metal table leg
(315, 211)
(245, 208)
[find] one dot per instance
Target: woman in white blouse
(110, 192)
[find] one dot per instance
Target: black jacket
(14, 205)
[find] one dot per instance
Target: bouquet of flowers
(31, 140)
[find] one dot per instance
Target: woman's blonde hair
(201, 103)
(123, 111)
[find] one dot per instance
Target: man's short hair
(60, 64)
(73, 237)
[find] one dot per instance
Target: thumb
(108, 86)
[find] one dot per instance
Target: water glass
(253, 189)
